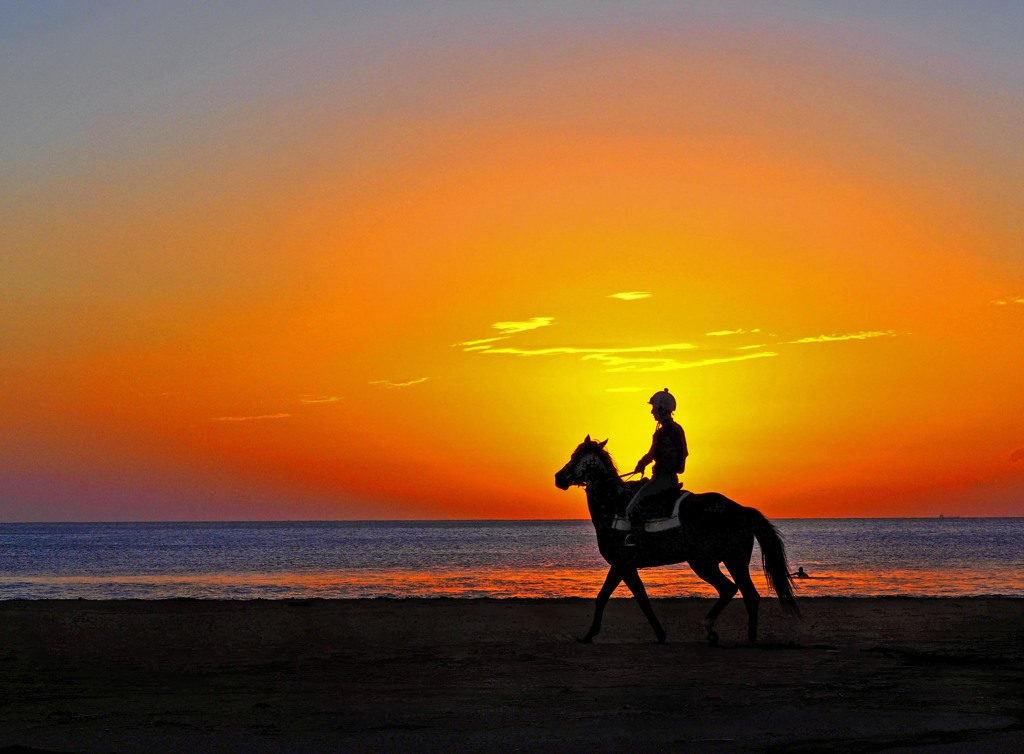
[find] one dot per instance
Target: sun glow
(407, 286)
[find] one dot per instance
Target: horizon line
(936, 517)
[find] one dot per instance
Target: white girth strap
(621, 523)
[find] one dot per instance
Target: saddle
(654, 525)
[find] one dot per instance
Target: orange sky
(326, 264)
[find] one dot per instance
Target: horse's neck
(602, 495)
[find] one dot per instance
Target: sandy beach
(853, 675)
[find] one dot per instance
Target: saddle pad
(621, 523)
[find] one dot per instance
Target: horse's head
(588, 461)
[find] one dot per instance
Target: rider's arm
(648, 456)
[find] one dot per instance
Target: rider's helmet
(663, 401)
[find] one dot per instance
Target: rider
(668, 451)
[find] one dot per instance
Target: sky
(377, 260)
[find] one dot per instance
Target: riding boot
(633, 537)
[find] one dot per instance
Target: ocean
(464, 559)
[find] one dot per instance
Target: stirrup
(630, 540)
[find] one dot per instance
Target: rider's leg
(633, 512)
(635, 509)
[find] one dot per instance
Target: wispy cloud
(319, 399)
(250, 418)
(507, 329)
(847, 336)
(630, 295)
(727, 360)
(627, 364)
(1017, 456)
(720, 333)
(391, 385)
(671, 365)
(590, 352)
(634, 359)
(1006, 301)
(510, 328)
(477, 343)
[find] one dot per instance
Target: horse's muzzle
(561, 482)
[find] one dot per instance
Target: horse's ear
(588, 439)
(602, 443)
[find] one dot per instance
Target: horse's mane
(606, 459)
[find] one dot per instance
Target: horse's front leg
(612, 580)
(636, 586)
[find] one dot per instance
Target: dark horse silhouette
(713, 530)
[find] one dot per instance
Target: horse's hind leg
(611, 581)
(726, 589)
(740, 571)
(636, 586)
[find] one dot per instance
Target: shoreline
(448, 598)
(582, 519)
(737, 602)
(936, 674)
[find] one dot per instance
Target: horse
(712, 530)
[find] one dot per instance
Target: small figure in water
(800, 573)
(668, 451)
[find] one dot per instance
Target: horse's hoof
(661, 637)
(712, 638)
(585, 639)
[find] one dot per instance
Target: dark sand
(855, 675)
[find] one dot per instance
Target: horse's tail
(773, 560)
